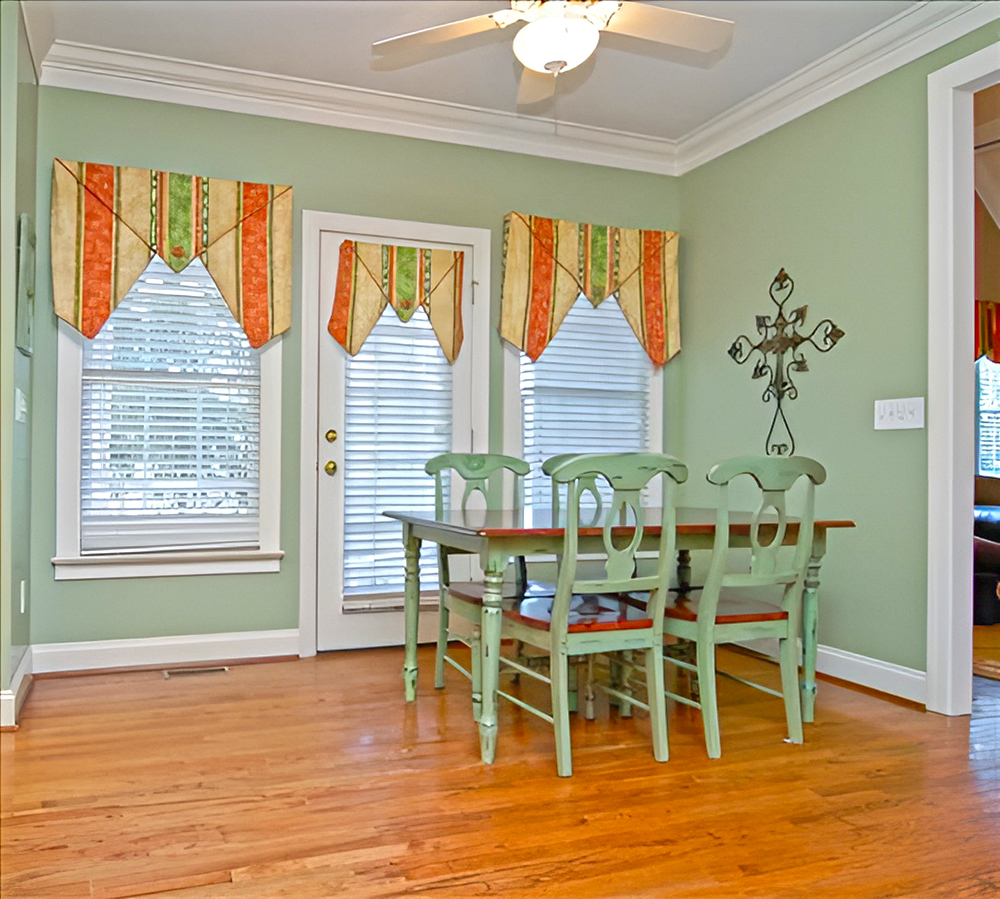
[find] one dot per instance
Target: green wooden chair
(482, 473)
(722, 612)
(590, 614)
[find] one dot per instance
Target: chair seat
(732, 609)
(590, 612)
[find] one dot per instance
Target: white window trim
(69, 564)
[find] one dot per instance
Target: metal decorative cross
(779, 336)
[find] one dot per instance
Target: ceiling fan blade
(535, 87)
(703, 34)
(436, 35)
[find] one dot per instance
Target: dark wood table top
(539, 522)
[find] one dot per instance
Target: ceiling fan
(558, 35)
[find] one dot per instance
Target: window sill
(77, 568)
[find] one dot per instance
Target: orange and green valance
(988, 330)
(371, 276)
(109, 221)
(548, 263)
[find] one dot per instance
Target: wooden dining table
(497, 536)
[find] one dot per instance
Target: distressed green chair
(723, 612)
(481, 473)
(589, 614)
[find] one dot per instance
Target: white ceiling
(321, 49)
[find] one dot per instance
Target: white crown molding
(88, 655)
(83, 67)
(913, 33)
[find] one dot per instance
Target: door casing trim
(950, 377)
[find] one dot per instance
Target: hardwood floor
(312, 778)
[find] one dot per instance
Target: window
(161, 450)
(987, 418)
(400, 369)
(594, 389)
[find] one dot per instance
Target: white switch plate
(896, 414)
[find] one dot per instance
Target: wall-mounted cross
(778, 337)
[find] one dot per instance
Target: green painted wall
(838, 198)
(331, 170)
(19, 102)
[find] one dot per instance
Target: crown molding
(913, 33)
(141, 76)
(906, 37)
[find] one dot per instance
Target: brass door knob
(330, 467)
(331, 435)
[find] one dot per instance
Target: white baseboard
(894, 680)
(11, 700)
(906, 683)
(54, 657)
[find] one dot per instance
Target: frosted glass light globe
(554, 44)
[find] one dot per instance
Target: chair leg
(442, 644)
(657, 703)
(709, 699)
(476, 669)
(788, 654)
(625, 673)
(588, 695)
(559, 675)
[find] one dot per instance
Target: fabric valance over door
(109, 221)
(548, 263)
(371, 276)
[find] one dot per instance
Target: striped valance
(371, 276)
(988, 330)
(548, 263)
(109, 221)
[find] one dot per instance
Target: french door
(380, 415)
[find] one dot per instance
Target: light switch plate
(897, 414)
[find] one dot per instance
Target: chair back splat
(481, 472)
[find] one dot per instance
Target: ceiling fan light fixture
(554, 44)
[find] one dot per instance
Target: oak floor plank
(312, 778)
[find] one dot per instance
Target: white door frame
(479, 343)
(950, 378)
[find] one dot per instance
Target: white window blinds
(987, 418)
(588, 392)
(398, 415)
(170, 422)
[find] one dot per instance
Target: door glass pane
(398, 415)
